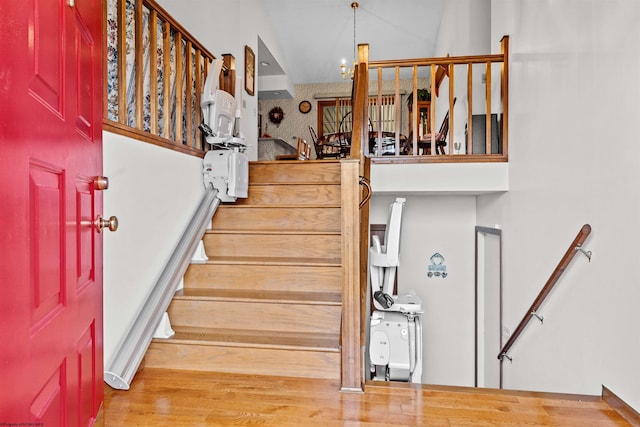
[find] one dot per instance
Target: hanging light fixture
(347, 73)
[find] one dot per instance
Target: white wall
(153, 192)
(445, 225)
(574, 159)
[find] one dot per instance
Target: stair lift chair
(395, 343)
(225, 167)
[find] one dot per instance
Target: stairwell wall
(154, 191)
(573, 159)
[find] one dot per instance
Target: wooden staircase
(268, 300)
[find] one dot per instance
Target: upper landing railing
(432, 133)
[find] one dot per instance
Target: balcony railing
(436, 138)
(154, 74)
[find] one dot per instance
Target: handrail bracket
(537, 316)
(586, 253)
(505, 356)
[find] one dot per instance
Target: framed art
(249, 70)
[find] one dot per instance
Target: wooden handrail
(367, 185)
(562, 265)
(475, 59)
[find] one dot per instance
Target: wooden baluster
(432, 114)
(488, 110)
(396, 104)
(188, 94)
(153, 72)
(414, 111)
(469, 108)
(451, 100)
(166, 87)
(379, 102)
(139, 77)
(504, 82)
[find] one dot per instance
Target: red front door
(51, 254)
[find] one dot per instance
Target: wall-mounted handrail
(533, 310)
(131, 350)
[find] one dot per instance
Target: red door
(51, 254)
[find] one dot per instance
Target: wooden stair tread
(326, 262)
(273, 297)
(221, 230)
(248, 205)
(246, 338)
(275, 182)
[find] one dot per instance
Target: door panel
(84, 65)
(49, 404)
(51, 264)
(46, 233)
(47, 58)
(85, 233)
(87, 379)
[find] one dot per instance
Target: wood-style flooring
(177, 398)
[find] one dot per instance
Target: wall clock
(304, 107)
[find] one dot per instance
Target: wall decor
(276, 115)
(249, 70)
(304, 107)
(437, 267)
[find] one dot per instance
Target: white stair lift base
(395, 344)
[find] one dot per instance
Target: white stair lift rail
(130, 352)
(226, 177)
(395, 344)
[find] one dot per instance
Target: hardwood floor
(178, 398)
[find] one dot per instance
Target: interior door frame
(481, 231)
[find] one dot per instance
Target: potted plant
(423, 95)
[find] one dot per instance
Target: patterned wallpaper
(296, 125)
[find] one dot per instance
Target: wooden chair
(323, 150)
(304, 150)
(440, 140)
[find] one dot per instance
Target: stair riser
(274, 219)
(272, 245)
(264, 278)
(257, 361)
(256, 316)
(294, 172)
(303, 194)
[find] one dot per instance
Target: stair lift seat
(395, 344)
(225, 167)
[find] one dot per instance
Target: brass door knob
(111, 224)
(100, 183)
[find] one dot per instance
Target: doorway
(488, 307)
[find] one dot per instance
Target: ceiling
(314, 36)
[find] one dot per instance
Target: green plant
(423, 95)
